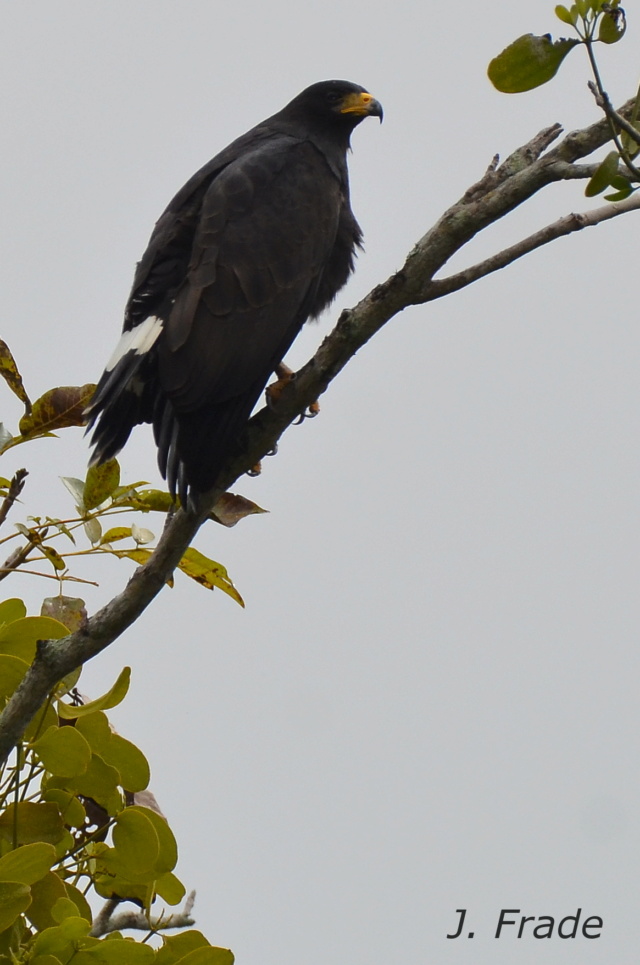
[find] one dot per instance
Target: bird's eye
(334, 96)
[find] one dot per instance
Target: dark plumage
(258, 241)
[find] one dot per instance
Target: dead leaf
(231, 508)
(9, 372)
(57, 409)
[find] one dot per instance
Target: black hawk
(259, 240)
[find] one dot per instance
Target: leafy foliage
(76, 818)
(78, 823)
(531, 61)
(528, 62)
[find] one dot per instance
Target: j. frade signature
(512, 922)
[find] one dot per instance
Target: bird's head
(337, 102)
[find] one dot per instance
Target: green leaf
(168, 854)
(51, 941)
(602, 177)
(63, 751)
(146, 500)
(79, 901)
(100, 782)
(61, 527)
(45, 718)
(128, 860)
(9, 372)
(209, 956)
(67, 684)
(12, 939)
(64, 908)
(57, 409)
(613, 26)
(35, 822)
(72, 811)
(170, 889)
(54, 557)
(112, 698)
(120, 951)
(95, 728)
(563, 14)
(27, 864)
(528, 62)
(136, 843)
(15, 898)
(100, 483)
(208, 573)
(66, 842)
(620, 195)
(61, 940)
(74, 928)
(129, 761)
(108, 885)
(12, 671)
(20, 637)
(175, 947)
(116, 533)
(45, 892)
(12, 610)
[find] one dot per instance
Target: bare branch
(15, 488)
(563, 226)
(602, 100)
(106, 921)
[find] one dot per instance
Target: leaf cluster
(97, 497)
(76, 818)
(77, 821)
(531, 61)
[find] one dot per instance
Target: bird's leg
(274, 391)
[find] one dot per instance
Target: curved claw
(309, 413)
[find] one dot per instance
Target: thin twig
(6, 570)
(563, 226)
(602, 100)
(15, 488)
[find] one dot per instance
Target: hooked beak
(363, 104)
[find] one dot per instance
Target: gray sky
(430, 701)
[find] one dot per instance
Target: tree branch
(501, 189)
(106, 921)
(15, 488)
(563, 226)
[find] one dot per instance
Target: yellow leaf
(100, 483)
(208, 573)
(9, 372)
(138, 555)
(111, 699)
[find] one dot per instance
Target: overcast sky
(431, 699)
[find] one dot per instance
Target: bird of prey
(258, 241)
